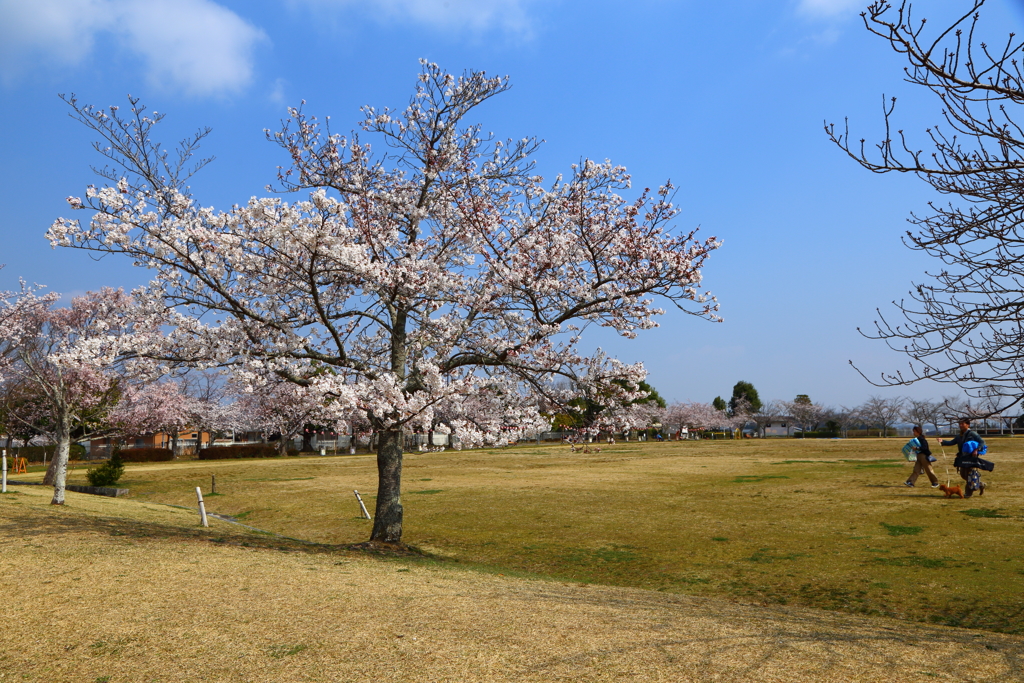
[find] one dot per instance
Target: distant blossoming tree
(412, 275)
(153, 407)
(804, 412)
(278, 407)
(695, 415)
(66, 358)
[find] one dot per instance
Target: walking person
(964, 458)
(923, 465)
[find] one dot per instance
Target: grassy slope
(111, 590)
(815, 523)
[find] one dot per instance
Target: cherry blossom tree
(66, 359)
(413, 275)
(804, 412)
(492, 415)
(627, 417)
(695, 415)
(17, 410)
(278, 407)
(152, 407)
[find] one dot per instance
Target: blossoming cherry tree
(424, 268)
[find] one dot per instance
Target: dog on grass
(951, 491)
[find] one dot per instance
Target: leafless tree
(882, 413)
(922, 412)
(845, 417)
(954, 408)
(769, 411)
(965, 323)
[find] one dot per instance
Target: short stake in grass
(3, 489)
(202, 507)
(213, 483)
(363, 507)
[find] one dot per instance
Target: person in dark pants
(971, 475)
(924, 460)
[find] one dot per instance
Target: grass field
(108, 590)
(814, 523)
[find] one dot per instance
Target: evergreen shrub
(108, 473)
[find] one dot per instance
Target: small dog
(951, 491)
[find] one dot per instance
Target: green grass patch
(986, 513)
(607, 554)
(757, 478)
(428, 491)
(897, 530)
(764, 555)
(797, 462)
(912, 561)
(282, 651)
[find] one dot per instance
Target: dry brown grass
(808, 523)
(134, 591)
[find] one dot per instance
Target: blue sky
(726, 99)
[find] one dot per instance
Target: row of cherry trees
(69, 374)
(881, 413)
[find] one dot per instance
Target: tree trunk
(51, 471)
(60, 459)
(387, 521)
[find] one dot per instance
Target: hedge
(35, 453)
(146, 454)
(816, 435)
(254, 450)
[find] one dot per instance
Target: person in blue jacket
(965, 452)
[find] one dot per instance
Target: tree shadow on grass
(28, 523)
(748, 640)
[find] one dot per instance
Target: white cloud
(194, 46)
(831, 8)
(58, 31)
(477, 16)
(277, 91)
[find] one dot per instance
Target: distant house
(782, 426)
(187, 439)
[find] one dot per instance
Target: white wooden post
(4, 488)
(202, 507)
(363, 507)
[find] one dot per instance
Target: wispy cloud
(477, 16)
(277, 91)
(831, 8)
(194, 46)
